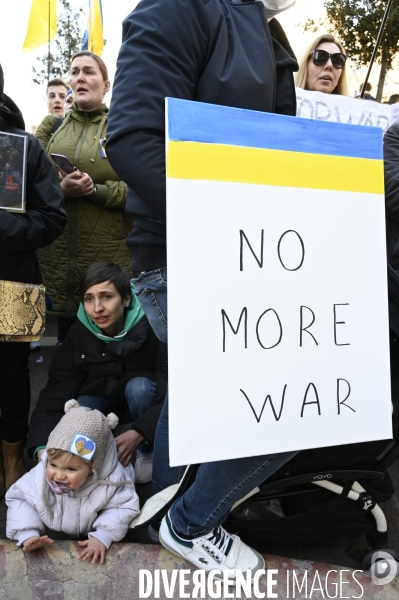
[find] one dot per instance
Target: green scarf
(133, 314)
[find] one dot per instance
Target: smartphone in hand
(63, 163)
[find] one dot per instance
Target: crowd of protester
(95, 231)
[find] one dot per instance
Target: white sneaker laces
(219, 543)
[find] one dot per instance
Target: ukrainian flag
(42, 25)
(94, 39)
(218, 143)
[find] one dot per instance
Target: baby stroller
(322, 493)
(329, 492)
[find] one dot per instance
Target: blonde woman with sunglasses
(322, 67)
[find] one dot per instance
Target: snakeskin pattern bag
(22, 312)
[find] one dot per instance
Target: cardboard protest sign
(277, 292)
(342, 109)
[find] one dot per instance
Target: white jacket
(95, 509)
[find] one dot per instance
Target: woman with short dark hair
(112, 361)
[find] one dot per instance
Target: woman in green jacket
(95, 197)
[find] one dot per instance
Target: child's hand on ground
(93, 548)
(35, 542)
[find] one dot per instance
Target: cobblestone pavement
(57, 574)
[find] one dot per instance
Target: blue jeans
(218, 485)
(140, 393)
(150, 288)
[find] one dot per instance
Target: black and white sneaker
(215, 550)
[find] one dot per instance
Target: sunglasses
(320, 58)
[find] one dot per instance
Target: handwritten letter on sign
(342, 109)
(277, 301)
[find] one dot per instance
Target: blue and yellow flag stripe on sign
(218, 143)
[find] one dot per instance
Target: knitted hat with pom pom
(83, 432)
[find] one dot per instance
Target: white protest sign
(277, 292)
(342, 109)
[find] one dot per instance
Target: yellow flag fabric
(96, 38)
(42, 24)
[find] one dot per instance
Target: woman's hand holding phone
(76, 184)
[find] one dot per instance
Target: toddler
(79, 487)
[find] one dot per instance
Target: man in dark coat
(228, 52)
(20, 235)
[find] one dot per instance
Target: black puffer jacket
(216, 51)
(45, 217)
(85, 365)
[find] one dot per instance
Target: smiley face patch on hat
(83, 446)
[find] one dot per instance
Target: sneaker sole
(260, 565)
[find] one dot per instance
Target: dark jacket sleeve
(391, 171)
(45, 216)
(64, 382)
(147, 423)
(162, 54)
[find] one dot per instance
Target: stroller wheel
(383, 554)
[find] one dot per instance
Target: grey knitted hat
(84, 432)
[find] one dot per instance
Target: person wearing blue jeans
(226, 52)
(198, 514)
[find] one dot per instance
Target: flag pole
(48, 47)
(90, 43)
(377, 44)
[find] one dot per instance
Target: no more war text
(270, 320)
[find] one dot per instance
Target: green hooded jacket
(97, 228)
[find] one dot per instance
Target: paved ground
(347, 552)
(56, 574)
